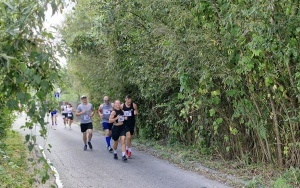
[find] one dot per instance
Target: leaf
(212, 112)
(8, 59)
(34, 138)
(2, 10)
(9, 5)
(13, 30)
(30, 147)
(27, 137)
(268, 81)
(54, 7)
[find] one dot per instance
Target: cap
(83, 96)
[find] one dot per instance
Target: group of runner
(118, 121)
(67, 114)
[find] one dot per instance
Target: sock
(115, 151)
(107, 141)
(123, 153)
(126, 147)
(129, 149)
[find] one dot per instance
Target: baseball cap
(83, 96)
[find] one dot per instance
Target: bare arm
(77, 113)
(112, 117)
(136, 111)
(93, 112)
(100, 111)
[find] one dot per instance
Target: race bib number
(127, 113)
(86, 117)
(121, 118)
(69, 115)
(106, 112)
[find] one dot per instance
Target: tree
(219, 75)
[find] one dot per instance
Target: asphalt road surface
(97, 168)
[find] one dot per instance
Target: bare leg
(84, 137)
(115, 145)
(90, 134)
(107, 132)
(123, 144)
(55, 119)
(128, 139)
(70, 123)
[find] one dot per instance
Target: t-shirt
(88, 108)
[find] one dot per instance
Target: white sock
(129, 149)
(123, 153)
(115, 151)
(126, 147)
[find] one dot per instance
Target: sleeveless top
(64, 108)
(120, 113)
(70, 112)
(129, 112)
(106, 110)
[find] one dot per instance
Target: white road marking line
(57, 180)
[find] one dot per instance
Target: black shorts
(118, 131)
(86, 126)
(70, 116)
(130, 128)
(64, 115)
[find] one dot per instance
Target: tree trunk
(276, 130)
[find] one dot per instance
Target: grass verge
(20, 168)
(233, 173)
(13, 162)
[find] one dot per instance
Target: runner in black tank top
(118, 130)
(130, 111)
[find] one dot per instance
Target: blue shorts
(107, 125)
(53, 113)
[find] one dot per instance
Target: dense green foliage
(221, 75)
(29, 70)
(29, 67)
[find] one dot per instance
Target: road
(97, 168)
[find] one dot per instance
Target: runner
(54, 117)
(64, 112)
(86, 110)
(130, 111)
(70, 114)
(104, 112)
(118, 130)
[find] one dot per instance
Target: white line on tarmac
(57, 180)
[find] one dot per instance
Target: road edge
(53, 169)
